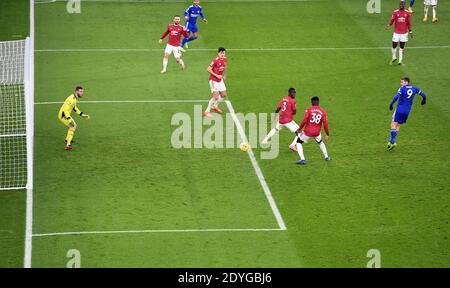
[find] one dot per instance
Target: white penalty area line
(157, 231)
(258, 171)
(126, 101)
(276, 212)
(293, 49)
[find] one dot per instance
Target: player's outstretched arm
(305, 119)
(164, 36)
(325, 128)
(391, 106)
(203, 17)
(186, 14)
(391, 22)
(424, 97)
(78, 111)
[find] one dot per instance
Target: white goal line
(158, 231)
(125, 101)
(293, 49)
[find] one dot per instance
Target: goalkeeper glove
(391, 107)
(424, 101)
(85, 116)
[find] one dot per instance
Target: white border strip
(172, 1)
(293, 49)
(156, 231)
(258, 171)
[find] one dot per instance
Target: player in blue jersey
(191, 15)
(405, 97)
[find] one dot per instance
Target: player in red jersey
(402, 20)
(288, 108)
(315, 116)
(217, 70)
(175, 31)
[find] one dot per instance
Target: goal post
(16, 114)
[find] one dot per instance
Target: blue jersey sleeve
(187, 12)
(399, 92)
(201, 13)
(421, 93)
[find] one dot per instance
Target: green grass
(124, 175)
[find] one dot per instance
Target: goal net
(16, 114)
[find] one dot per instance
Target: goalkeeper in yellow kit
(64, 115)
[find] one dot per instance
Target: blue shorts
(191, 27)
(400, 116)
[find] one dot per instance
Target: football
(244, 147)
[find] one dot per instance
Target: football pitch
(125, 197)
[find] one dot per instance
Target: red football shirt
(218, 66)
(175, 32)
(315, 116)
(402, 19)
(288, 109)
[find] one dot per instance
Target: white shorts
(430, 2)
(172, 49)
(217, 86)
(292, 126)
(302, 136)
(400, 37)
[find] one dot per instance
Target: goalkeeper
(64, 115)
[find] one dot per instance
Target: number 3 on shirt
(284, 106)
(315, 118)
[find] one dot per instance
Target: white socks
(400, 54)
(302, 155)
(295, 141)
(434, 12)
(394, 53)
(210, 104)
(218, 101)
(270, 135)
(165, 61)
(425, 10)
(300, 151)
(324, 149)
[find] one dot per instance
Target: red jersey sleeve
(408, 22)
(165, 33)
(185, 33)
(305, 119)
(392, 19)
(325, 123)
(280, 105)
